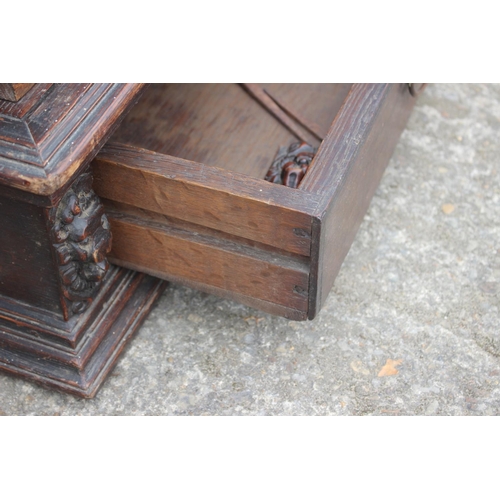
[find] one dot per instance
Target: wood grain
(220, 124)
(45, 142)
(247, 223)
(346, 172)
(262, 305)
(314, 104)
(178, 254)
(31, 100)
(213, 124)
(265, 100)
(226, 201)
(14, 91)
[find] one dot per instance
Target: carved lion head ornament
(81, 238)
(291, 164)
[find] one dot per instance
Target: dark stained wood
(14, 91)
(27, 269)
(220, 124)
(291, 164)
(44, 142)
(227, 201)
(64, 318)
(168, 250)
(317, 106)
(346, 172)
(313, 225)
(262, 305)
(21, 108)
(214, 124)
(31, 345)
(55, 258)
(32, 321)
(114, 207)
(81, 239)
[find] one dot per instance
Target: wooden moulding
(75, 356)
(55, 129)
(220, 230)
(14, 91)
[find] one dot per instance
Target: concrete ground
(411, 327)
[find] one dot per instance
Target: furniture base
(76, 356)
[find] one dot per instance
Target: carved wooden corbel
(79, 230)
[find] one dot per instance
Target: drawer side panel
(347, 172)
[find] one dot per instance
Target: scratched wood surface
(229, 202)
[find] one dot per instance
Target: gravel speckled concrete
(411, 327)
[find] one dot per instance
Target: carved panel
(79, 230)
(291, 164)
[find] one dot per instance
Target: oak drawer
(183, 184)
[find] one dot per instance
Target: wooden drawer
(183, 184)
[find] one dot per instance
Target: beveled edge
(85, 133)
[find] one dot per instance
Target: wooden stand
(65, 315)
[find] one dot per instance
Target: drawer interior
(230, 126)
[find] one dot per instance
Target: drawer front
(272, 247)
(192, 255)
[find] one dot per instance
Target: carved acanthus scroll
(81, 238)
(291, 164)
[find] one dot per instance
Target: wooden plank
(14, 91)
(346, 172)
(261, 305)
(214, 124)
(189, 227)
(179, 255)
(223, 126)
(227, 201)
(313, 104)
(258, 93)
